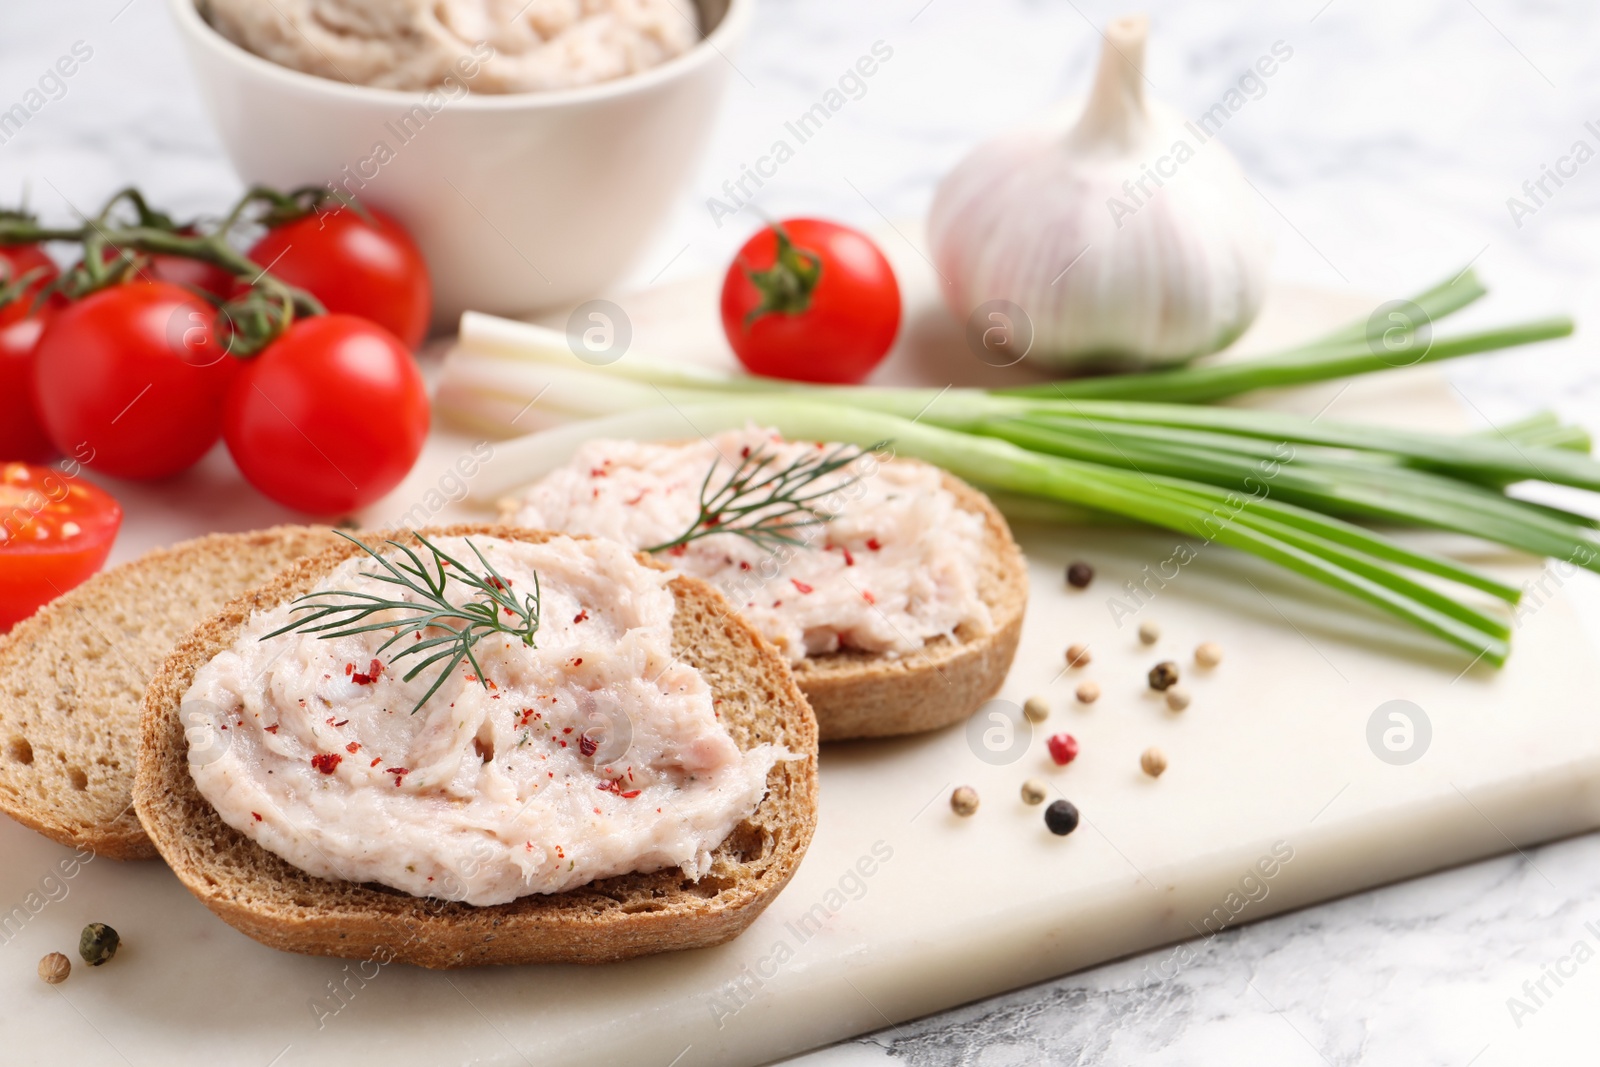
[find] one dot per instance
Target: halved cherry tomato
(130, 379)
(368, 267)
(329, 417)
(812, 301)
(55, 531)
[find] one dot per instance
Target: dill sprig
(769, 507)
(493, 609)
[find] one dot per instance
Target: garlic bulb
(1130, 239)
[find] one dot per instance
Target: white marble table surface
(1385, 152)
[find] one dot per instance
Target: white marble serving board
(900, 907)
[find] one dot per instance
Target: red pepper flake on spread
(598, 472)
(374, 669)
(581, 616)
(353, 747)
(802, 586)
(635, 501)
(677, 550)
(399, 773)
(272, 729)
(349, 668)
(866, 595)
(375, 761)
(326, 762)
(587, 745)
(578, 662)
(257, 815)
(874, 544)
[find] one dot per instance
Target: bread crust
(867, 694)
(617, 918)
(72, 675)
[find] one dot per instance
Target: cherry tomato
(356, 266)
(130, 380)
(191, 274)
(16, 261)
(184, 271)
(21, 321)
(21, 435)
(810, 300)
(329, 417)
(55, 531)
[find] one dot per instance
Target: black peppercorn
(1164, 675)
(98, 944)
(1061, 817)
(1079, 575)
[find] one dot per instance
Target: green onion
(1130, 448)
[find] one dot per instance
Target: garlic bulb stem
(1115, 117)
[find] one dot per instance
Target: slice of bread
(72, 677)
(611, 919)
(858, 694)
(866, 694)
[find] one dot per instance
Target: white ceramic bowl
(520, 201)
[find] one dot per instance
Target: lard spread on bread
(593, 754)
(896, 565)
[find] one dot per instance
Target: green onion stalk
(1310, 495)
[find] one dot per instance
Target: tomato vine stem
(115, 248)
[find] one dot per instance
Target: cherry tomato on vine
(184, 271)
(192, 274)
(56, 531)
(329, 417)
(17, 261)
(22, 318)
(130, 380)
(810, 300)
(22, 436)
(368, 267)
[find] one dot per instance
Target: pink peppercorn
(1063, 748)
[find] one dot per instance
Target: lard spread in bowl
(494, 46)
